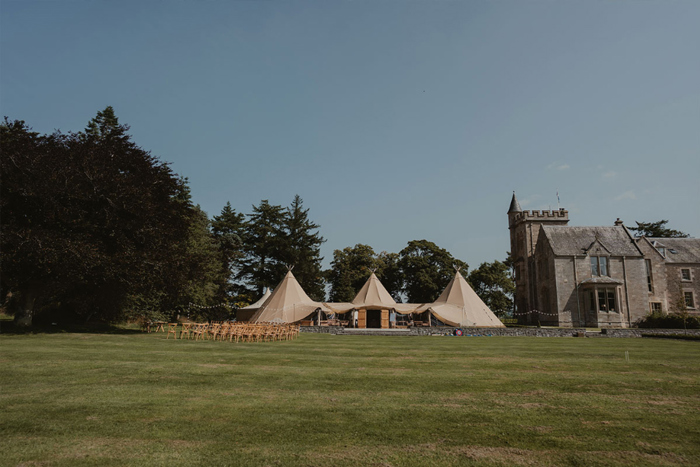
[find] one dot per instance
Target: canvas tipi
(245, 313)
(287, 304)
(459, 305)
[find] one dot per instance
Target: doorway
(374, 318)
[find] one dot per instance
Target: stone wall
(530, 332)
(515, 332)
(639, 332)
(322, 329)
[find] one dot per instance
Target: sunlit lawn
(138, 399)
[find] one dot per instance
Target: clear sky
(393, 120)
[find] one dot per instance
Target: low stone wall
(529, 332)
(638, 332)
(523, 332)
(449, 331)
(322, 329)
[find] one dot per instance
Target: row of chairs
(238, 332)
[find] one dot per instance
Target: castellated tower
(524, 231)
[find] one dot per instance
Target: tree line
(96, 228)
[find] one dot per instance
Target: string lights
(535, 311)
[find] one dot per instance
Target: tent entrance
(374, 319)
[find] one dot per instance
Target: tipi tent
(287, 304)
(373, 295)
(459, 305)
(245, 313)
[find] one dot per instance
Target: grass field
(137, 399)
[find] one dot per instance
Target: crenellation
(560, 214)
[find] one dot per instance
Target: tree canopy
(302, 249)
(420, 271)
(88, 219)
(349, 270)
(656, 229)
(427, 269)
(494, 284)
(228, 229)
(94, 225)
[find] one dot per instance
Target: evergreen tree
(656, 229)
(105, 126)
(228, 229)
(201, 267)
(302, 249)
(264, 241)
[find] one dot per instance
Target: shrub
(658, 320)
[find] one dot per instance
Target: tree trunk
(24, 316)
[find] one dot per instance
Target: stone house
(673, 273)
(595, 276)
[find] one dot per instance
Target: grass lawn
(138, 399)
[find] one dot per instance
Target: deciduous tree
(349, 271)
(494, 284)
(426, 269)
(88, 219)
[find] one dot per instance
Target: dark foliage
(494, 284)
(658, 320)
(302, 249)
(426, 270)
(89, 219)
(656, 229)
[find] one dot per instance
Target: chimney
(618, 222)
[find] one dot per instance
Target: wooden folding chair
(172, 329)
(198, 330)
(223, 331)
(213, 331)
(186, 328)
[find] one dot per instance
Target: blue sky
(393, 120)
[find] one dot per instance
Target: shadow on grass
(8, 327)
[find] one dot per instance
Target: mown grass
(138, 399)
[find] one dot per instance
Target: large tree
(302, 249)
(228, 229)
(656, 229)
(427, 269)
(390, 273)
(264, 241)
(88, 219)
(349, 270)
(493, 283)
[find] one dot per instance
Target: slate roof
(569, 241)
(687, 249)
(514, 205)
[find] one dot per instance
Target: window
(689, 300)
(606, 300)
(599, 266)
(655, 307)
(649, 284)
(661, 250)
(685, 275)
